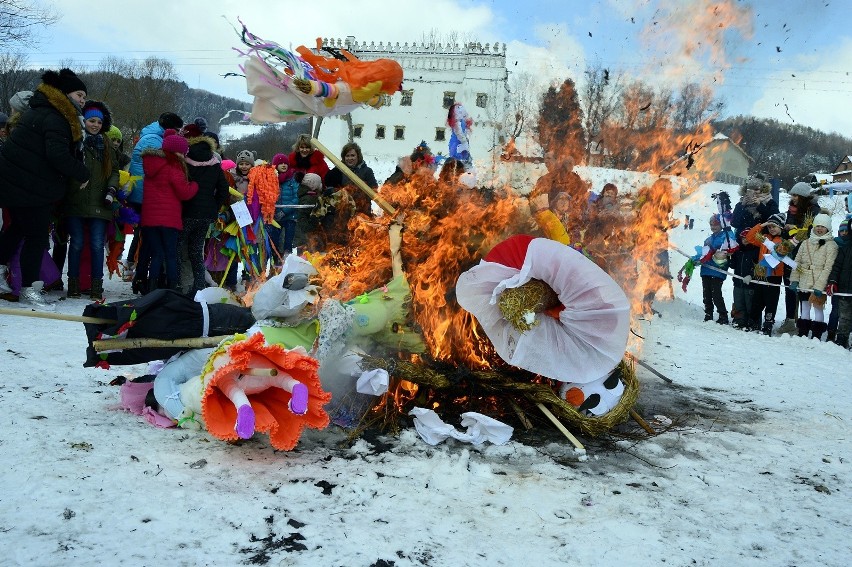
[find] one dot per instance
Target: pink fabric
(166, 186)
(133, 395)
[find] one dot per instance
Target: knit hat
(754, 184)
(714, 219)
(843, 226)
(92, 112)
(312, 181)
(191, 131)
(778, 219)
(175, 144)
(65, 80)
(245, 156)
(278, 159)
(228, 164)
(213, 136)
(823, 219)
(201, 123)
(801, 189)
(170, 120)
(20, 101)
(114, 133)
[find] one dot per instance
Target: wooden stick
(260, 372)
(386, 207)
(560, 427)
(146, 342)
(56, 316)
(642, 423)
(521, 415)
(653, 370)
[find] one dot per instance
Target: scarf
(96, 143)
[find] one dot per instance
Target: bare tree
(522, 103)
(694, 106)
(20, 20)
(599, 100)
(13, 76)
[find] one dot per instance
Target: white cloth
(374, 382)
(274, 300)
(588, 339)
(480, 428)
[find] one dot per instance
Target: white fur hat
(823, 219)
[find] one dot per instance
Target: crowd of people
(196, 218)
(770, 251)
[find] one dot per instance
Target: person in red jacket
(305, 159)
(166, 187)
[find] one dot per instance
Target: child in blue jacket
(714, 260)
(288, 197)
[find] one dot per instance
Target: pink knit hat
(175, 144)
(228, 164)
(278, 159)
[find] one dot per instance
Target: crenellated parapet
(415, 48)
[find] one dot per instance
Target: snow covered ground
(754, 471)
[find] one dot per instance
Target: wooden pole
(145, 342)
(56, 316)
(547, 413)
(653, 370)
(642, 423)
(386, 207)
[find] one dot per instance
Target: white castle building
(434, 77)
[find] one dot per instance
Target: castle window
(440, 134)
(449, 98)
(406, 97)
(481, 100)
(399, 132)
(357, 130)
(380, 132)
(384, 100)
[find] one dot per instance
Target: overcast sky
(785, 59)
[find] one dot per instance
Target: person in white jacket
(814, 261)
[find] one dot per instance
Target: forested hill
(137, 94)
(786, 151)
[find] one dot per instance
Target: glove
(831, 289)
(794, 286)
(747, 280)
(817, 293)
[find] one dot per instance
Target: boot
(788, 327)
(4, 280)
(32, 297)
(841, 340)
(708, 317)
(817, 329)
(97, 291)
(723, 319)
(832, 334)
(768, 323)
(73, 288)
(804, 327)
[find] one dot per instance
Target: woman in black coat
(37, 163)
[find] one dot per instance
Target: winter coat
(337, 179)
(752, 210)
(88, 202)
(315, 163)
(815, 262)
(151, 138)
(756, 237)
(841, 270)
(42, 153)
(722, 240)
(204, 167)
(289, 195)
(167, 187)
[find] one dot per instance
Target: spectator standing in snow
(815, 259)
(765, 298)
(840, 280)
(834, 316)
(715, 255)
(755, 207)
(37, 162)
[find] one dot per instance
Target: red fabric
(166, 186)
(317, 166)
(511, 252)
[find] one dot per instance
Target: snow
(754, 470)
